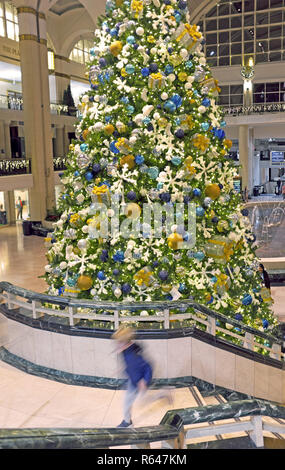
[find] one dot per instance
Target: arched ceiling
(63, 6)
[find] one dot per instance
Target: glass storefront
(3, 213)
(22, 204)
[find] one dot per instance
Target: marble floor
(30, 401)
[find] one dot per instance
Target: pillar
(59, 142)
(36, 100)
(7, 140)
(10, 207)
(62, 76)
(246, 152)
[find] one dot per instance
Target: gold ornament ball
(133, 210)
(166, 287)
(116, 48)
(174, 239)
(84, 282)
(222, 225)
(109, 129)
(85, 134)
(213, 191)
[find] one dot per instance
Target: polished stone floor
(29, 401)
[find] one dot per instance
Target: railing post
(10, 300)
(71, 313)
(248, 341)
(211, 327)
(256, 435)
(116, 317)
(276, 351)
(36, 304)
(166, 319)
(177, 443)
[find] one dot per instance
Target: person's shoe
(124, 424)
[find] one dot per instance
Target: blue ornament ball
(265, 323)
(101, 275)
(205, 126)
(169, 106)
(131, 39)
(200, 211)
(96, 168)
(206, 102)
(131, 195)
(116, 272)
(165, 197)
(126, 288)
(196, 192)
(130, 69)
(247, 299)
(153, 68)
(145, 72)
(238, 316)
(163, 275)
(199, 255)
(89, 175)
(180, 134)
(139, 159)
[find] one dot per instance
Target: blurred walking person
(138, 369)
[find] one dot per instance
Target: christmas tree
(150, 132)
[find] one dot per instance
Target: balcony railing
(168, 315)
(24, 166)
(254, 109)
(15, 167)
(16, 103)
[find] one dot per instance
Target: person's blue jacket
(137, 367)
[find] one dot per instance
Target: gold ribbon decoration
(227, 248)
(222, 282)
(143, 277)
(191, 30)
(100, 190)
(201, 142)
(137, 7)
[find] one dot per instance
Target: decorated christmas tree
(150, 133)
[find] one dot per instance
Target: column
(246, 152)
(10, 207)
(7, 140)
(37, 118)
(62, 76)
(2, 140)
(59, 142)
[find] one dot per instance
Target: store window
(22, 204)
(81, 51)
(3, 213)
(9, 21)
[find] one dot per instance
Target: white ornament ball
(173, 228)
(188, 86)
(82, 244)
(172, 77)
(85, 99)
(85, 229)
(156, 116)
(63, 265)
(144, 313)
(133, 139)
(98, 126)
(48, 268)
(202, 109)
(164, 96)
(117, 292)
(184, 53)
(140, 31)
(80, 198)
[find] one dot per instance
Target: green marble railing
(171, 432)
(168, 315)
